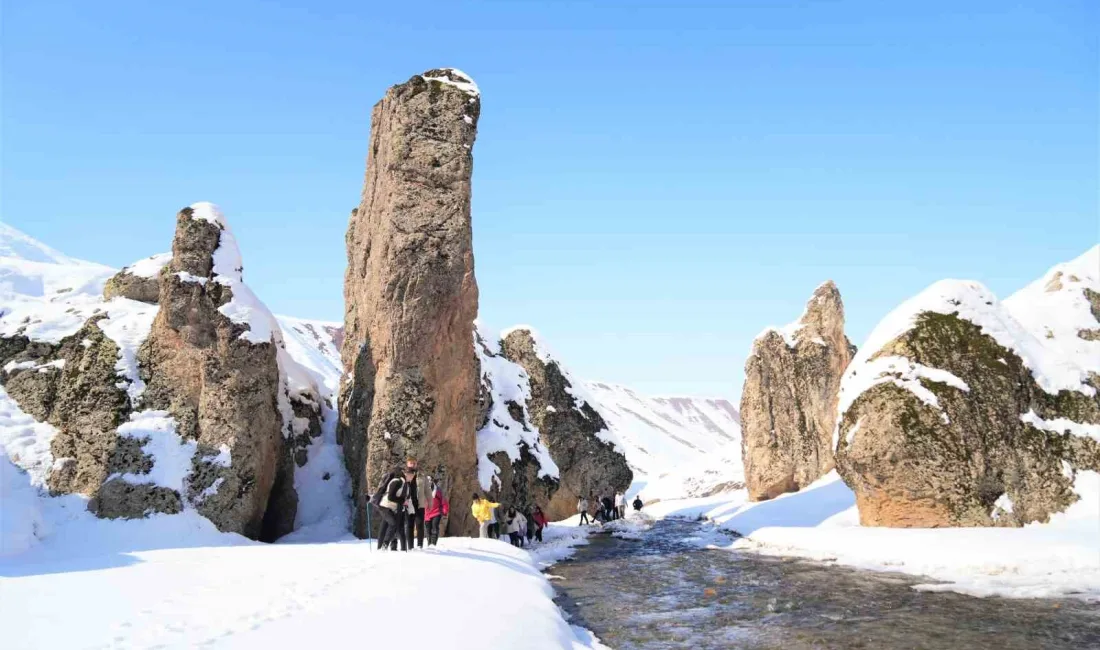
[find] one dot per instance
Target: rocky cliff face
(570, 428)
(957, 413)
(411, 382)
(788, 404)
(514, 466)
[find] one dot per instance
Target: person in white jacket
(582, 508)
(620, 505)
(516, 523)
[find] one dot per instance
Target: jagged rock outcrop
(139, 281)
(957, 414)
(211, 362)
(411, 382)
(514, 466)
(788, 403)
(569, 427)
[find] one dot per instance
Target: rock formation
(139, 281)
(569, 426)
(957, 414)
(175, 393)
(411, 382)
(514, 466)
(211, 362)
(788, 404)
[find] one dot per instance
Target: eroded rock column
(411, 382)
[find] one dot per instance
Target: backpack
(376, 499)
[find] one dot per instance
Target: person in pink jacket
(434, 511)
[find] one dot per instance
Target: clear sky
(654, 182)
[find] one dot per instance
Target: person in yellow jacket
(483, 512)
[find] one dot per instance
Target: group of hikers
(608, 508)
(496, 521)
(411, 505)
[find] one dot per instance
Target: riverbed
(664, 588)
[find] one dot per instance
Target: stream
(662, 589)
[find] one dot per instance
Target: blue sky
(654, 183)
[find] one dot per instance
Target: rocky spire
(210, 361)
(411, 382)
(788, 404)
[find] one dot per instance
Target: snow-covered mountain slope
(677, 446)
(315, 344)
(45, 294)
(1062, 309)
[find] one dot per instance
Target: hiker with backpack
(436, 507)
(392, 507)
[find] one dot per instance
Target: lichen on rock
(991, 416)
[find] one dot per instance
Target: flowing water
(663, 589)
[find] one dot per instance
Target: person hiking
(539, 517)
(582, 507)
(620, 505)
(384, 520)
(392, 506)
(608, 504)
(593, 506)
(483, 511)
(418, 493)
(638, 502)
(516, 522)
(436, 507)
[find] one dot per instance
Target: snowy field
(1060, 558)
(100, 584)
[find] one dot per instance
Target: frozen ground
(1061, 558)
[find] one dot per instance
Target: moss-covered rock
(976, 447)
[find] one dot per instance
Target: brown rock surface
(789, 401)
(223, 390)
(569, 428)
(411, 382)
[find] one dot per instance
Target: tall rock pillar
(411, 373)
(788, 404)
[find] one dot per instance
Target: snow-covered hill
(677, 446)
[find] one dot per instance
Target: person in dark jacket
(414, 519)
(393, 508)
(638, 502)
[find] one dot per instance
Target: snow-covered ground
(175, 582)
(1060, 558)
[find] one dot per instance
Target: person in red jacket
(539, 517)
(434, 511)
